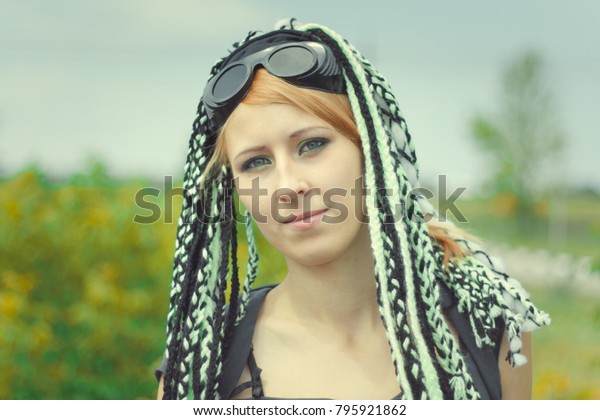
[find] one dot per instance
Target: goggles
(289, 55)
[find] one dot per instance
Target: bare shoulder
(161, 391)
(516, 381)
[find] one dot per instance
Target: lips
(303, 216)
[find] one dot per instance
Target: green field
(568, 224)
(84, 291)
(567, 353)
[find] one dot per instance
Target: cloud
(120, 26)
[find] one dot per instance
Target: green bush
(84, 294)
(84, 290)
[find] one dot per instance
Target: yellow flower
(9, 305)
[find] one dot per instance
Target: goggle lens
(230, 82)
(291, 61)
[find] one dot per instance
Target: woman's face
(289, 164)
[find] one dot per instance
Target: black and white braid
(408, 264)
(509, 298)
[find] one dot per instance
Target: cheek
(255, 200)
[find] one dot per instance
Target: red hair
(332, 108)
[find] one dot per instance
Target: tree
(523, 136)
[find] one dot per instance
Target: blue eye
(308, 146)
(314, 144)
(254, 163)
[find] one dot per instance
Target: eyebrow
(295, 134)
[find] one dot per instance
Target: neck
(340, 295)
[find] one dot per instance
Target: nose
(292, 184)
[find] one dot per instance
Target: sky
(119, 80)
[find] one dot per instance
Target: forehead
(255, 124)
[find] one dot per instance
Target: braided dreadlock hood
(408, 264)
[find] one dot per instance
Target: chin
(311, 260)
(320, 249)
(313, 254)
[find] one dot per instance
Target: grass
(571, 226)
(80, 281)
(566, 355)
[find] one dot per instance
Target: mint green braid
(409, 265)
(196, 322)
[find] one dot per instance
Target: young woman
(381, 299)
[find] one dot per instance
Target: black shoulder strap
(238, 350)
(483, 362)
(486, 374)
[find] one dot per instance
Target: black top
(482, 363)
